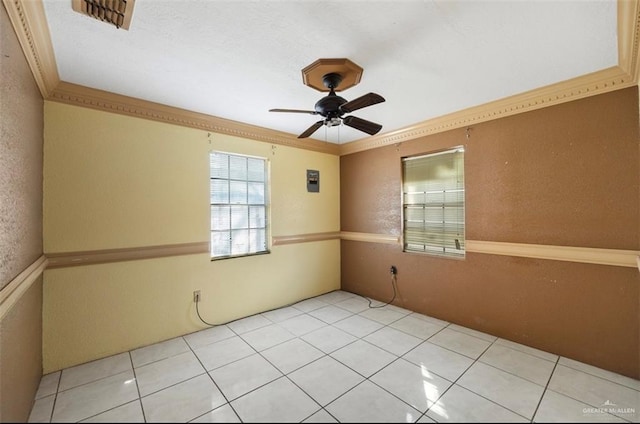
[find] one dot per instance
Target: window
(238, 205)
(433, 203)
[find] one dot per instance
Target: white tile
(48, 384)
(266, 337)
(335, 296)
(42, 409)
(330, 314)
(430, 319)
(242, 376)
(328, 338)
(95, 370)
(223, 414)
(562, 409)
(208, 336)
(417, 327)
(363, 357)
(519, 363)
(528, 349)
(321, 416)
(460, 342)
(412, 383)
(444, 362)
(393, 340)
(155, 352)
(597, 392)
(166, 372)
(291, 355)
(472, 332)
(309, 305)
(302, 324)
(369, 403)
(184, 401)
(425, 419)
(459, 405)
(281, 314)
(223, 352)
(354, 304)
(93, 398)
(599, 372)
(248, 324)
(382, 315)
(278, 402)
(512, 392)
(325, 379)
(358, 326)
(128, 413)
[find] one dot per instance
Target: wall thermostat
(313, 181)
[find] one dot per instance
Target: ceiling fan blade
(362, 101)
(311, 129)
(310, 112)
(362, 124)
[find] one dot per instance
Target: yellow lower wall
(113, 181)
(99, 310)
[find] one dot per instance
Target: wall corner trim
(13, 291)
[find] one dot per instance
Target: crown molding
(29, 22)
(30, 25)
(78, 95)
(599, 82)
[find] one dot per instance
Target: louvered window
(239, 219)
(433, 203)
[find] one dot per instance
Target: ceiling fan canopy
(333, 107)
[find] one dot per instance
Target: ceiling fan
(332, 108)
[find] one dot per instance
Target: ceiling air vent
(114, 12)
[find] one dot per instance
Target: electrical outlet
(196, 296)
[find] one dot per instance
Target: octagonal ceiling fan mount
(332, 73)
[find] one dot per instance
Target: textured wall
(566, 175)
(120, 182)
(21, 120)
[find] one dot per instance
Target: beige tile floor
(333, 359)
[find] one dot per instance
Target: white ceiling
(237, 59)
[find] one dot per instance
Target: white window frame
(433, 209)
(239, 220)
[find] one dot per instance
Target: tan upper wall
(565, 175)
(113, 181)
(21, 122)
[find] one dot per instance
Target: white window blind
(433, 203)
(238, 187)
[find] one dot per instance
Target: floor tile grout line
(135, 377)
(600, 377)
(214, 383)
(477, 394)
(55, 399)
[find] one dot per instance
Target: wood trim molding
(30, 25)
(13, 291)
(629, 37)
(68, 259)
(304, 238)
(369, 237)
(78, 95)
(615, 257)
(599, 82)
